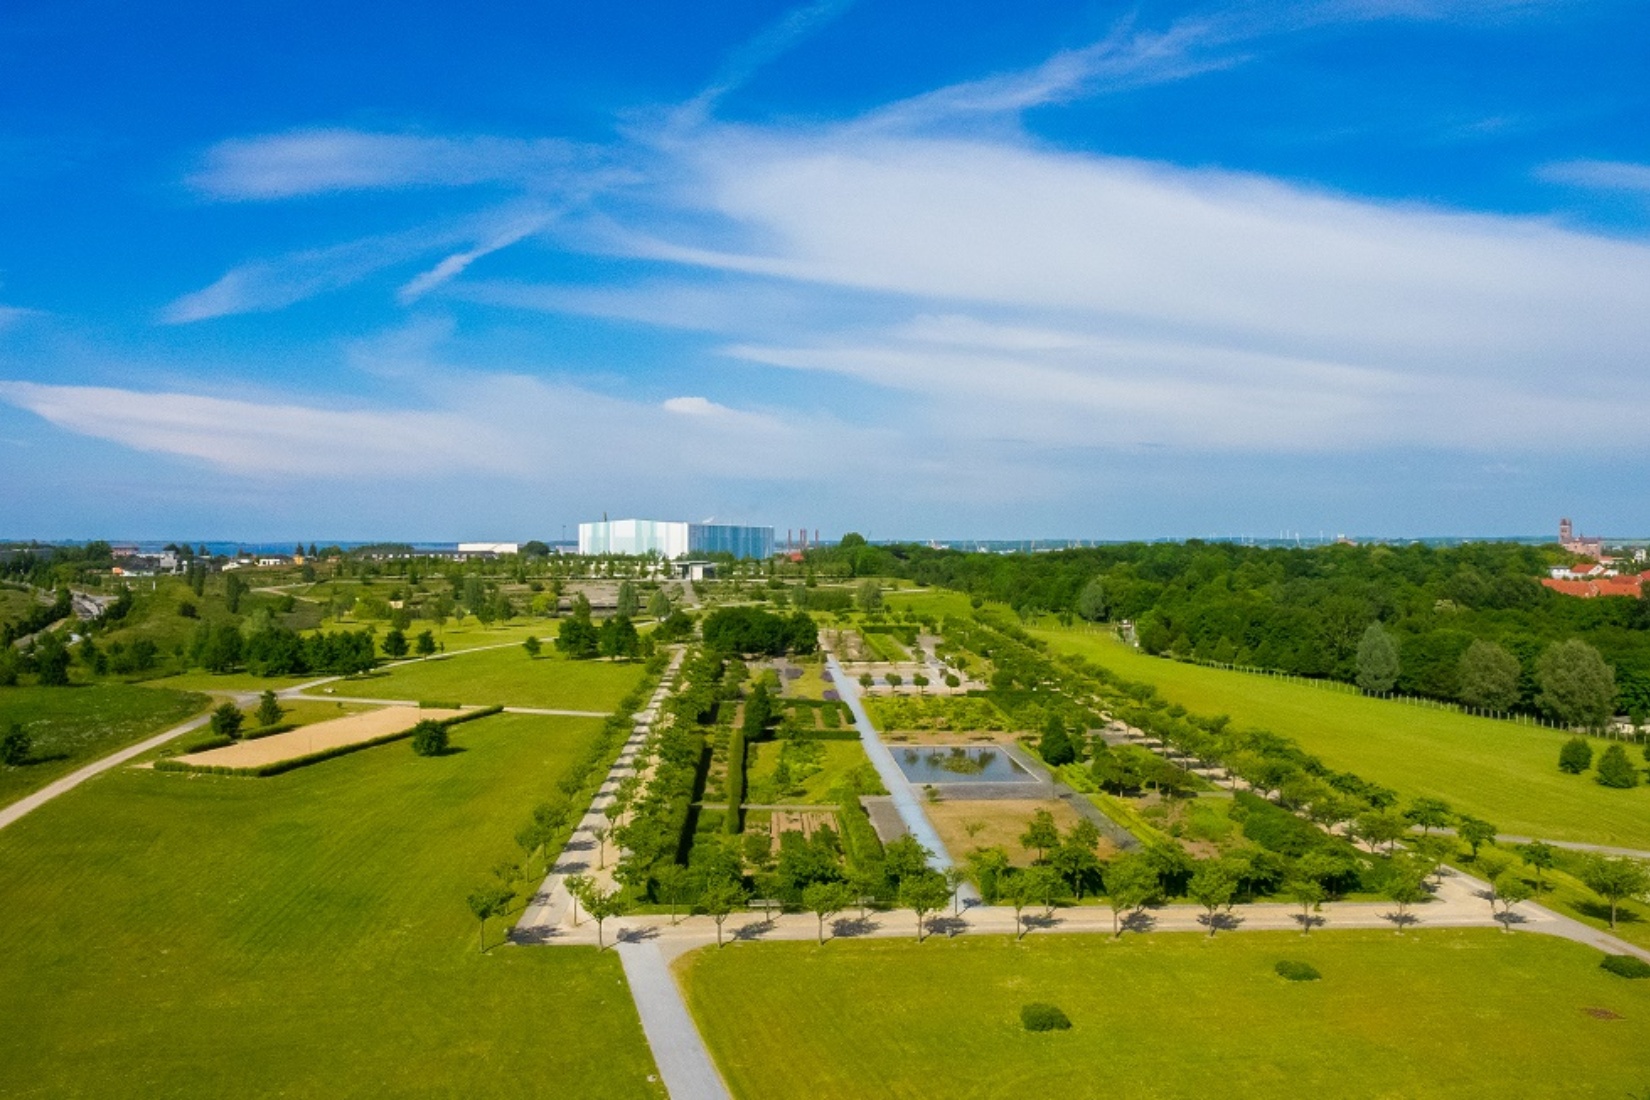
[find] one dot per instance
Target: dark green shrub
(1626, 966)
(1576, 756)
(1293, 971)
(1615, 770)
(1038, 1016)
(429, 738)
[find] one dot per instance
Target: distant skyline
(1084, 270)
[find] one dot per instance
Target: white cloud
(1600, 175)
(312, 162)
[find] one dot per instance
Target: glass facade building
(674, 539)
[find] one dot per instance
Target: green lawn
(73, 726)
(1456, 1014)
(302, 935)
(1505, 773)
(237, 682)
(506, 676)
(838, 760)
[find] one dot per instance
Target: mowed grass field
(507, 676)
(1452, 1014)
(1505, 773)
(302, 935)
(73, 726)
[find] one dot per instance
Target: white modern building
(672, 539)
(489, 548)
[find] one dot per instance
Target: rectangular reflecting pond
(959, 764)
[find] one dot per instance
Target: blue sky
(1067, 269)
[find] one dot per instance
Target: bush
(429, 738)
(1626, 966)
(226, 721)
(1576, 756)
(1615, 770)
(1293, 971)
(15, 747)
(1038, 1016)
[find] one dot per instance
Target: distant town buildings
(673, 539)
(1578, 544)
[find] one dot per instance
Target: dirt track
(331, 734)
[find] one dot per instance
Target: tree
(617, 637)
(866, 680)
(719, 900)
(429, 738)
(578, 887)
(955, 878)
(1576, 756)
(672, 882)
(628, 602)
(1019, 890)
(659, 605)
(489, 901)
(923, 894)
(1212, 887)
(825, 899)
(1055, 747)
(424, 645)
(1308, 893)
(1615, 770)
(868, 597)
(226, 721)
(1509, 889)
(1131, 884)
(603, 905)
(1404, 886)
(600, 832)
(1377, 661)
(1540, 855)
(1041, 834)
(1428, 813)
(1476, 832)
(269, 709)
(15, 747)
(1075, 860)
(919, 681)
(1615, 879)
(1487, 677)
(1091, 601)
(395, 644)
(894, 679)
(1381, 827)
(532, 646)
(1577, 687)
(51, 660)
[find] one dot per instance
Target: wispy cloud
(313, 162)
(1599, 175)
(771, 43)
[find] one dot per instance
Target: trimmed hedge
(860, 842)
(1039, 1016)
(736, 781)
(1626, 966)
(269, 731)
(437, 704)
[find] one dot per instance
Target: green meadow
(1456, 1014)
(503, 676)
(301, 935)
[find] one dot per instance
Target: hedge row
(736, 782)
(860, 842)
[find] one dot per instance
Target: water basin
(959, 764)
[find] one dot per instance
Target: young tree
(226, 721)
(869, 596)
(600, 832)
(923, 894)
(1615, 879)
(919, 681)
(424, 645)
(51, 660)
(15, 747)
(1131, 884)
(1428, 813)
(269, 709)
(429, 738)
(1488, 677)
(1377, 661)
(1381, 827)
(659, 605)
(628, 602)
(395, 644)
(825, 899)
(578, 888)
(1041, 834)
(1404, 886)
(1540, 855)
(1308, 893)
(1476, 832)
(489, 901)
(1615, 770)
(894, 679)
(1576, 756)
(867, 681)
(1019, 890)
(532, 646)
(672, 880)
(603, 905)
(1055, 747)
(1509, 889)
(1577, 687)
(719, 900)
(1212, 887)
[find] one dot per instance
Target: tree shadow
(1509, 918)
(1401, 920)
(1599, 910)
(1041, 920)
(849, 927)
(947, 926)
(752, 930)
(637, 935)
(1309, 921)
(1220, 922)
(538, 935)
(1139, 921)
(32, 759)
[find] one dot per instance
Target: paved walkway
(904, 796)
(74, 779)
(678, 1050)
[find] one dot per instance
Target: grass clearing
(1458, 1013)
(814, 779)
(303, 935)
(503, 676)
(1505, 773)
(74, 726)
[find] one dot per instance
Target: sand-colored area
(331, 734)
(1000, 824)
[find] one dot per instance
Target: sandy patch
(1000, 823)
(305, 740)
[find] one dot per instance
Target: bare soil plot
(997, 824)
(805, 822)
(320, 737)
